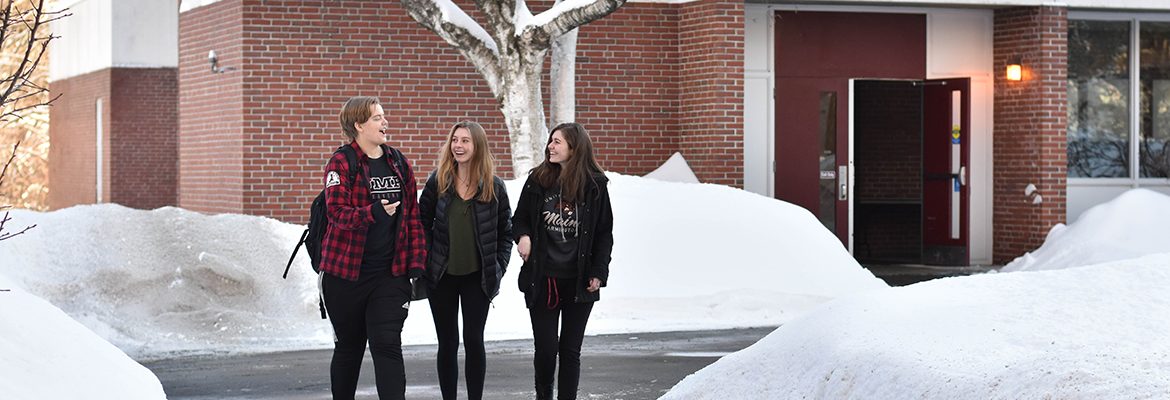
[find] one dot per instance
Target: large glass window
(1154, 142)
(1098, 99)
(1102, 134)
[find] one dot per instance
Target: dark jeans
(449, 294)
(369, 309)
(572, 317)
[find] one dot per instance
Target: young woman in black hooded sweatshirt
(564, 230)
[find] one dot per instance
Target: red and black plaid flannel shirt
(350, 217)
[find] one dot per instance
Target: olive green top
(462, 259)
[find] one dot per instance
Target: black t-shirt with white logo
(381, 237)
(560, 225)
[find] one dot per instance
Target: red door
(816, 54)
(812, 148)
(946, 153)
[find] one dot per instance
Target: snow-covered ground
(1070, 331)
(47, 355)
(170, 281)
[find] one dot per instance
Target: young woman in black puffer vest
(467, 218)
(564, 230)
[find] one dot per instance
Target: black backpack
(318, 221)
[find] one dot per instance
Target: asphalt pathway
(614, 367)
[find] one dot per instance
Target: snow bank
(48, 355)
(686, 257)
(1134, 224)
(168, 280)
(675, 169)
(1034, 335)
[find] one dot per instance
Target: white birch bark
(509, 52)
(563, 79)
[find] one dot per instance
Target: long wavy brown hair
(580, 166)
(482, 165)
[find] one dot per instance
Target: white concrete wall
(146, 33)
(959, 44)
(114, 33)
(85, 39)
(758, 101)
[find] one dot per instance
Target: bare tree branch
(6, 218)
(568, 15)
(22, 90)
(447, 20)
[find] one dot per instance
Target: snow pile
(1134, 224)
(1033, 335)
(675, 169)
(48, 355)
(167, 281)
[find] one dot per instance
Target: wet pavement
(613, 367)
(906, 274)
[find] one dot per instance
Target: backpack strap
(351, 156)
(294, 253)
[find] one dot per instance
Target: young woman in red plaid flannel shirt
(372, 248)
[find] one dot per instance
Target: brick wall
(711, 91)
(255, 140)
(210, 110)
(628, 86)
(72, 155)
(139, 134)
(1030, 127)
(143, 113)
(888, 141)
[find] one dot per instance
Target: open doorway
(887, 138)
(910, 156)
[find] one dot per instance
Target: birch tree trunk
(563, 79)
(509, 52)
(523, 111)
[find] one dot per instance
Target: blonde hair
(482, 165)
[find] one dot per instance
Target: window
(1153, 149)
(1104, 136)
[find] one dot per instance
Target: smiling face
(558, 149)
(372, 132)
(462, 146)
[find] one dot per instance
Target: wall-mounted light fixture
(215, 68)
(1015, 69)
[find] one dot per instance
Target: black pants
(554, 306)
(369, 309)
(449, 294)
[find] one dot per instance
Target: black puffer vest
(493, 228)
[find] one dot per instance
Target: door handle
(842, 182)
(963, 176)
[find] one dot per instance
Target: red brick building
(896, 124)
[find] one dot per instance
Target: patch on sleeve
(332, 179)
